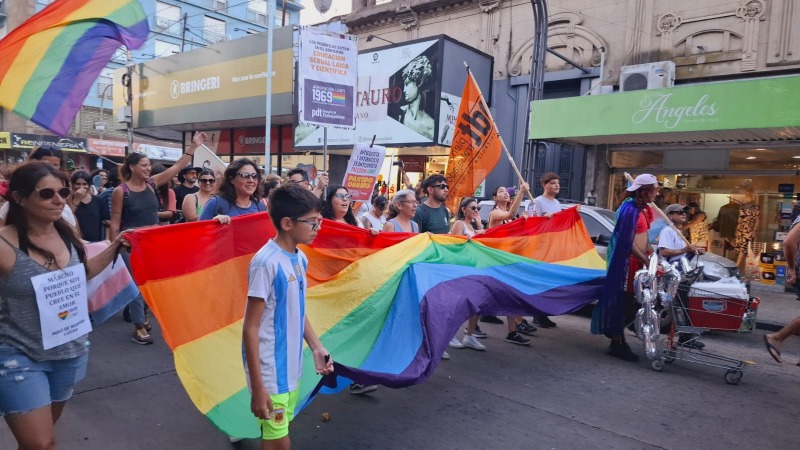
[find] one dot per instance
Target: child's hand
(261, 404)
(323, 363)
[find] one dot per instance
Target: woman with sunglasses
(468, 223)
(135, 204)
(505, 211)
(401, 213)
(55, 157)
(338, 207)
(92, 212)
(239, 193)
(36, 382)
(193, 203)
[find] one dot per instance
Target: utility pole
(129, 101)
(183, 31)
(536, 86)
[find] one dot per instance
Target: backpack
(224, 207)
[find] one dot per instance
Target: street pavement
(563, 392)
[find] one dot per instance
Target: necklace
(48, 260)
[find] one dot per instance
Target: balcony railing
(167, 26)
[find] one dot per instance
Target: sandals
(773, 351)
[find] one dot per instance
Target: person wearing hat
(188, 179)
(628, 252)
(671, 246)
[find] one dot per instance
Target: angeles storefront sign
(327, 75)
(107, 147)
(767, 103)
(28, 141)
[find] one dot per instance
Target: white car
(599, 223)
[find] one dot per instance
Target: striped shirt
(279, 278)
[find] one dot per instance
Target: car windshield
(610, 215)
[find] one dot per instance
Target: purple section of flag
(446, 306)
(64, 97)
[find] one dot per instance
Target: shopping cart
(695, 307)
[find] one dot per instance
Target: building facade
(175, 26)
(706, 40)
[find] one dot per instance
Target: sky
(310, 16)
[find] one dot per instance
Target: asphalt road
(562, 392)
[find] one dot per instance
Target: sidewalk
(775, 310)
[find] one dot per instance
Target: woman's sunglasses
(247, 175)
(207, 180)
(473, 207)
(48, 193)
(347, 197)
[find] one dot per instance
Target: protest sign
(362, 170)
(63, 306)
(327, 78)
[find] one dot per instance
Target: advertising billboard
(407, 95)
(327, 70)
(72, 144)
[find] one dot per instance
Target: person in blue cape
(628, 252)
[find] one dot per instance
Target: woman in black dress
(92, 212)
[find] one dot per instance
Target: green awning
(766, 109)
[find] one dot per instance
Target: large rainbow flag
(50, 62)
(385, 306)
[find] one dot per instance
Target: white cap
(644, 179)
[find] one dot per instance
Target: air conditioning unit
(655, 75)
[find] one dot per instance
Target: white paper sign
(63, 305)
(362, 171)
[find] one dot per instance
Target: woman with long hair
(338, 206)
(401, 213)
(135, 204)
(92, 212)
(504, 211)
(37, 381)
(193, 203)
(52, 155)
(167, 211)
(239, 193)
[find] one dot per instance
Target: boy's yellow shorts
(277, 426)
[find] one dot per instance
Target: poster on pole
(362, 171)
(63, 305)
(327, 77)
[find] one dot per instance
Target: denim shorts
(26, 385)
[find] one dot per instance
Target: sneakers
(516, 338)
(455, 343)
(621, 350)
(142, 337)
(543, 321)
(472, 342)
(358, 389)
(445, 355)
(525, 328)
(478, 333)
(491, 319)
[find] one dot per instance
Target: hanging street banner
(362, 171)
(327, 78)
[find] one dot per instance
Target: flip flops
(774, 352)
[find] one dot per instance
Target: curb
(768, 326)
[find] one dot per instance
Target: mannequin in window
(749, 213)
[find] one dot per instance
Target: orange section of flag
(476, 145)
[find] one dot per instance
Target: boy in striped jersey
(274, 322)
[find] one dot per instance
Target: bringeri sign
(327, 79)
(362, 171)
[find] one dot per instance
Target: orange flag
(476, 145)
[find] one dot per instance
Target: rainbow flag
(51, 61)
(385, 308)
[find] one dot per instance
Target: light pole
(536, 86)
(101, 125)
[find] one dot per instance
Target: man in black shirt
(188, 178)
